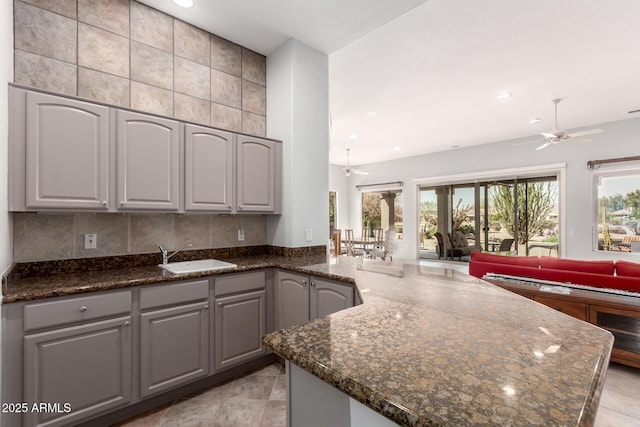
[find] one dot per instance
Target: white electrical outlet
(90, 241)
(309, 235)
(240, 234)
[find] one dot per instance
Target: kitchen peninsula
(433, 346)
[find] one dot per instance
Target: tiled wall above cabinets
(126, 54)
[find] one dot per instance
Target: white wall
(298, 114)
(340, 184)
(619, 139)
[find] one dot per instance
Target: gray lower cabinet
(299, 298)
(174, 339)
(80, 370)
(240, 318)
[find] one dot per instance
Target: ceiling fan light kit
(348, 170)
(557, 135)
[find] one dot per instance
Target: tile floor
(254, 400)
(258, 400)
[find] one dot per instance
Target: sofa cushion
(595, 267)
(524, 261)
(629, 269)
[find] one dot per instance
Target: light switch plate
(309, 235)
(240, 234)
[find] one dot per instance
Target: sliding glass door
(510, 217)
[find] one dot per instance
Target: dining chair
(350, 244)
(387, 245)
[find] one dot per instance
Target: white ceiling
(431, 70)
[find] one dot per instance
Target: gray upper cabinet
(209, 169)
(66, 154)
(148, 162)
(258, 175)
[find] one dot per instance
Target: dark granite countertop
(434, 346)
(429, 346)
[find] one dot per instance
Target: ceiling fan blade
(359, 172)
(545, 145)
(549, 135)
(585, 133)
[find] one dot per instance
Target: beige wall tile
(41, 237)
(192, 229)
(110, 15)
(255, 230)
(224, 231)
(103, 51)
(45, 33)
(63, 7)
(191, 43)
(226, 56)
(226, 89)
(46, 73)
(151, 27)
(151, 66)
(254, 124)
(192, 109)
(226, 117)
(103, 87)
(151, 99)
(147, 230)
(254, 98)
(192, 78)
(254, 67)
(112, 231)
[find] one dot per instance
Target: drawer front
(574, 309)
(174, 293)
(235, 283)
(77, 309)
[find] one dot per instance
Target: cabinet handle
(121, 202)
(126, 323)
(219, 304)
(206, 307)
(83, 308)
(313, 284)
(304, 282)
(104, 203)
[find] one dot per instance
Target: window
(510, 216)
(382, 209)
(618, 211)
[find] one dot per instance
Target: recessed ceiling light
(396, 148)
(504, 95)
(535, 120)
(184, 3)
(455, 146)
(372, 113)
(353, 136)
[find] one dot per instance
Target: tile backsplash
(56, 236)
(127, 54)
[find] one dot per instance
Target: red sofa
(623, 275)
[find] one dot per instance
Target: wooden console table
(618, 314)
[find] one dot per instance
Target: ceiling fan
(558, 135)
(348, 170)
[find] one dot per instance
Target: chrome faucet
(165, 256)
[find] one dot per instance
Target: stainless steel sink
(196, 266)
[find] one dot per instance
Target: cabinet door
(256, 174)
(572, 308)
(86, 366)
(624, 324)
(174, 347)
(291, 299)
(209, 169)
(67, 153)
(328, 297)
(148, 162)
(240, 324)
